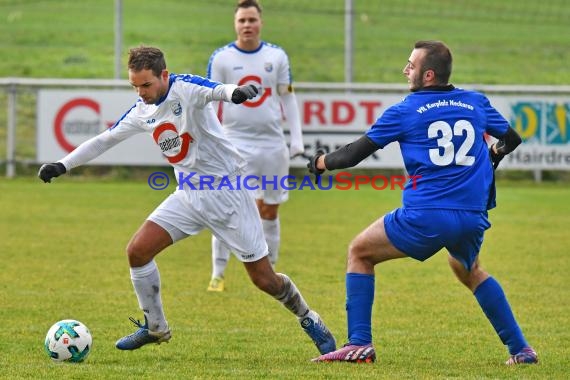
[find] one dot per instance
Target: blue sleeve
(497, 125)
(387, 128)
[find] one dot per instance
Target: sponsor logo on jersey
(173, 146)
(169, 142)
(264, 93)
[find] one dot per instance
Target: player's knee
(357, 249)
(358, 255)
(131, 250)
(136, 254)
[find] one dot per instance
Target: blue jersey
(441, 136)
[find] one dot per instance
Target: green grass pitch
(62, 245)
(62, 248)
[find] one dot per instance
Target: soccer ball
(68, 340)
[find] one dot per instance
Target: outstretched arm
(85, 152)
(347, 156)
(233, 93)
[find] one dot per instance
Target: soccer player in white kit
(255, 127)
(175, 110)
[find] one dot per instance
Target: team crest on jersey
(268, 67)
(176, 108)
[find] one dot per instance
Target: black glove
(312, 165)
(497, 157)
(49, 171)
(243, 93)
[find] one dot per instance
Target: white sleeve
(96, 146)
(90, 149)
(291, 111)
(223, 92)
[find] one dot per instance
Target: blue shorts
(421, 233)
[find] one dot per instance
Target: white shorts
(231, 216)
(271, 165)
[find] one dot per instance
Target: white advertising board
(66, 118)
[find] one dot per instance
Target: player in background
(175, 111)
(255, 127)
(440, 130)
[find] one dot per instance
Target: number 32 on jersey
(446, 153)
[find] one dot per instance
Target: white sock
(220, 257)
(291, 298)
(272, 231)
(146, 281)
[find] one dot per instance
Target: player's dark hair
(247, 4)
(146, 58)
(438, 58)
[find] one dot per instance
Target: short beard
(416, 86)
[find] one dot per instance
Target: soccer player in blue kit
(440, 130)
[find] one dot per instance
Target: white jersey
(183, 125)
(257, 121)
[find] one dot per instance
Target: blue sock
(359, 299)
(492, 300)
